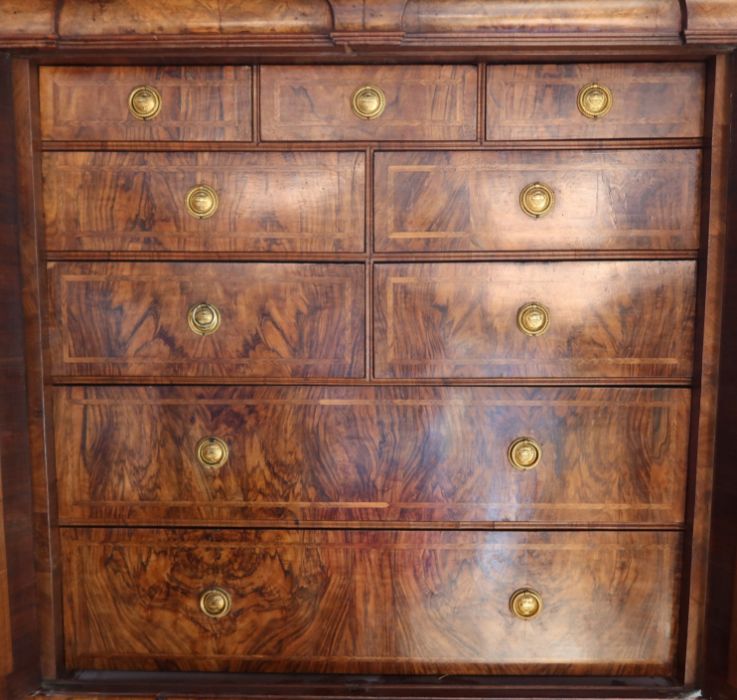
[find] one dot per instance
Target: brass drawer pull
(202, 202)
(533, 318)
(536, 200)
(594, 100)
(524, 453)
(212, 453)
(368, 102)
(215, 602)
(525, 603)
(144, 102)
(203, 318)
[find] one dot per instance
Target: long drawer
(351, 601)
(537, 200)
(623, 319)
(390, 455)
(207, 319)
(222, 202)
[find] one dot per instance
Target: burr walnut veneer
(367, 349)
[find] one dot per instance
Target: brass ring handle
(525, 603)
(202, 202)
(368, 102)
(203, 318)
(533, 318)
(215, 602)
(524, 453)
(212, 453)
(536, 200)
(594, 100)
(144, 102)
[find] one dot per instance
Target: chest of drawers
(370, 349)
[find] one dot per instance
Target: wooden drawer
(631, 319)
(376, 601)
(472, 201)
(276, 320)
(370, 454)
(196, 103)
(420, 103)
(647, 100)
(288, 202)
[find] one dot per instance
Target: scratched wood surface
(631, 319)
(603, 200)
(360, 455)
(275, 202)
(381, 601)
(277, 320)
(198, 103)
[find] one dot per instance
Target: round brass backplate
(525, 603)
(594, 100)
(144, 102)
(524, 453)
(202, 202)
(203, 318)
(536, 200)
(215, 602)
(212, 453)
(533, 318)
(368, 102)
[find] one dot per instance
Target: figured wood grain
(356, 455)
(469, 201)
(278, 320)
(198, 103)
(352, 601)
(631, 319)
(275, 202)
(650, 100)
(313, 103)
(711, 22)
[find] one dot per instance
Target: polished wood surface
(370, 455)
(278, 320)
(711, 22)
(607, 319)
(313, 103)
(648, 101)
(197, 103)
(469, 201)
(417, 602)
(275, 202)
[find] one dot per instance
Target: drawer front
(472, 201)
(630, 319)
(195, 103)
(646, 100)
(139, 320)
(351, 601)
(370, 454)
(416, 103)
(272, 202)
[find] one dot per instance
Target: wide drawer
(142, 103)
(632, 319)
(282, 202)
(595, 100)
(537, 200)
(206, 319)
(330, 103)
(364, 602)
(370, 454)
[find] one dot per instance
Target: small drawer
(224, 202)
(368, 103)
(249, 455)
(429, 201)
(620, 320)
(146, 103)
(348, 601)
(595, 101)
(206, 320)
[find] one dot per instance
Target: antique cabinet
(375, 349)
